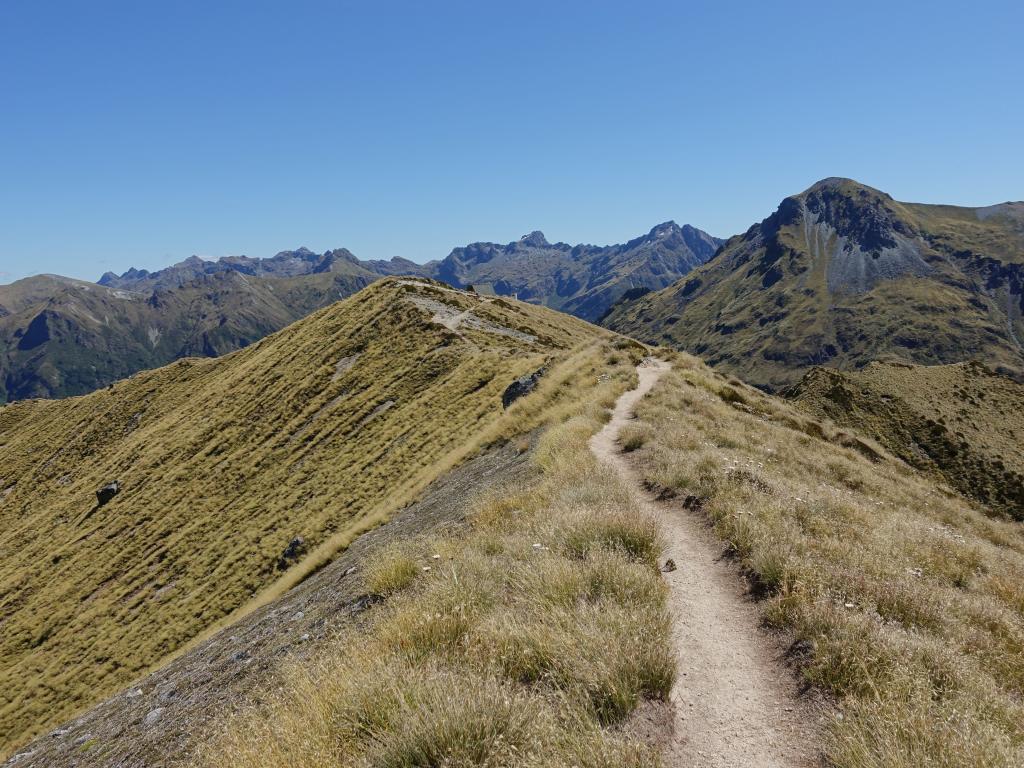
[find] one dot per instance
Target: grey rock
(154, 716)
(295, 549)
(524, 385)
(107, 492)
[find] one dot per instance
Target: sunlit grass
(522, 642)
(223, 462)
(908, 599)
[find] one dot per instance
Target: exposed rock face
(842, 274)
(295, 549)
(524, 385)
(584, 280)
(107, 492)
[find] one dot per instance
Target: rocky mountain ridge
(842, 274)
(61, 337)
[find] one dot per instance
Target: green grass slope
(842, 274)
(318, 431)
(961, 421)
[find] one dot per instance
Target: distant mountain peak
(665, 229)
(839, 185)
(535, 239)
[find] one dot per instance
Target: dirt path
(735, 704)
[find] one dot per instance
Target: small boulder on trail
(107, 492)
(524, 385)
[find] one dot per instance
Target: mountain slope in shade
(236, 473)
(62, 337)
(583, 280)
(962, 421)
(842, 274)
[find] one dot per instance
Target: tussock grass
(532, 635)
(394, 569)
(962, 422)
(633, 436)
(223, 462)
(905, 599)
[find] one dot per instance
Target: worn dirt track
(735, 704)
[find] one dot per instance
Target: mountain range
(61, 337)
(841, 275)
(583, 280)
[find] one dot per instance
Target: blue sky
(137, 134)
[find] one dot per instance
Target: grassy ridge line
(554, 398)
(523, 642)
(222, 462)
(906, 601)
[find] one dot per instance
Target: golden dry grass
(906, 600)
(319, 431)
(962, 422)
(523, 642)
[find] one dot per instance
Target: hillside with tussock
(902, 599)
(961, 422)
(61, 337)
(236, 477)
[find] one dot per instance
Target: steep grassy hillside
(61, 337)
(961, 421)
(842, 274)
(529, 639)
(905, 601)
(314, 433)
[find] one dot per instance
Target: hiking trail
(735, 705)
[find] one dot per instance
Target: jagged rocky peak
(111, 278)
(854, 210)
(865, 215)
(664, 230)
(301, 252)
(535, 239)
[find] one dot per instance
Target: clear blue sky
(139, 133)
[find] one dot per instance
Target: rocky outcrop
(842, 274)
(107, 493)
(522, 386)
